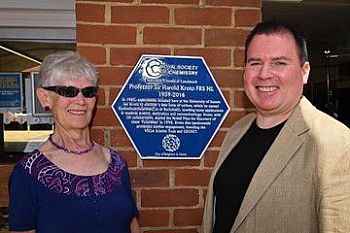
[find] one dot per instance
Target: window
(327, 27)
(29, 30)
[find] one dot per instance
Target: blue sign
(170, 107)
(10, 92)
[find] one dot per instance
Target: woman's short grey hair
(66, 65)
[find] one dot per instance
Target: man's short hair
(278, 27)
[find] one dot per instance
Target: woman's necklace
(77, 152)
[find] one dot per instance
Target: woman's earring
(47, 108)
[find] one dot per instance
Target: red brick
(123, 1)
(248, 3)
(227, 96)
(5, 172)
(170, 163)
(90, 12)
(130, 157)
(120, 138)
(105, 117)
(187, 230)
(210, 158)
(154, 218)
(106, 34)
(173, 197)
(203, 16)
(191, 177)
(233, 116)
(210, 55)
(140, 14)
(228, 77)
(134, 194)
(101, 97)
(166, 35)
(188, 217)
(218, 139)
(171, 1)
(113, 93)
(247, 18)
(113, 75)
(239, 57)
(205, 191)
(241, 100)
(129, 56)
(97, 135)
(96, 55)
(225, 37)
(150, 178)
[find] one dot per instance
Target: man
(286, 167)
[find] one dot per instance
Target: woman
(70, 183)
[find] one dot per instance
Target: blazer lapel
(280, 153)
(233, 139)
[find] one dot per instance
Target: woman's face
(71, 113)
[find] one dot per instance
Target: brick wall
(113, 34)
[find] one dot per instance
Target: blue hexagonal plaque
(170, 107)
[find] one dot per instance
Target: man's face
(273, 76)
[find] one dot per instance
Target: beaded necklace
(77, 152)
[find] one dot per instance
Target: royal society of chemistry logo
(152, 68)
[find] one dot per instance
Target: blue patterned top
(49, 199)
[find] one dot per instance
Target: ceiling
(34, 28)
(9, 62)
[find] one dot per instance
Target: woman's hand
(134, 226)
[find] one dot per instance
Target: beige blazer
(303, 182)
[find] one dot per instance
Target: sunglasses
(70, 91)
